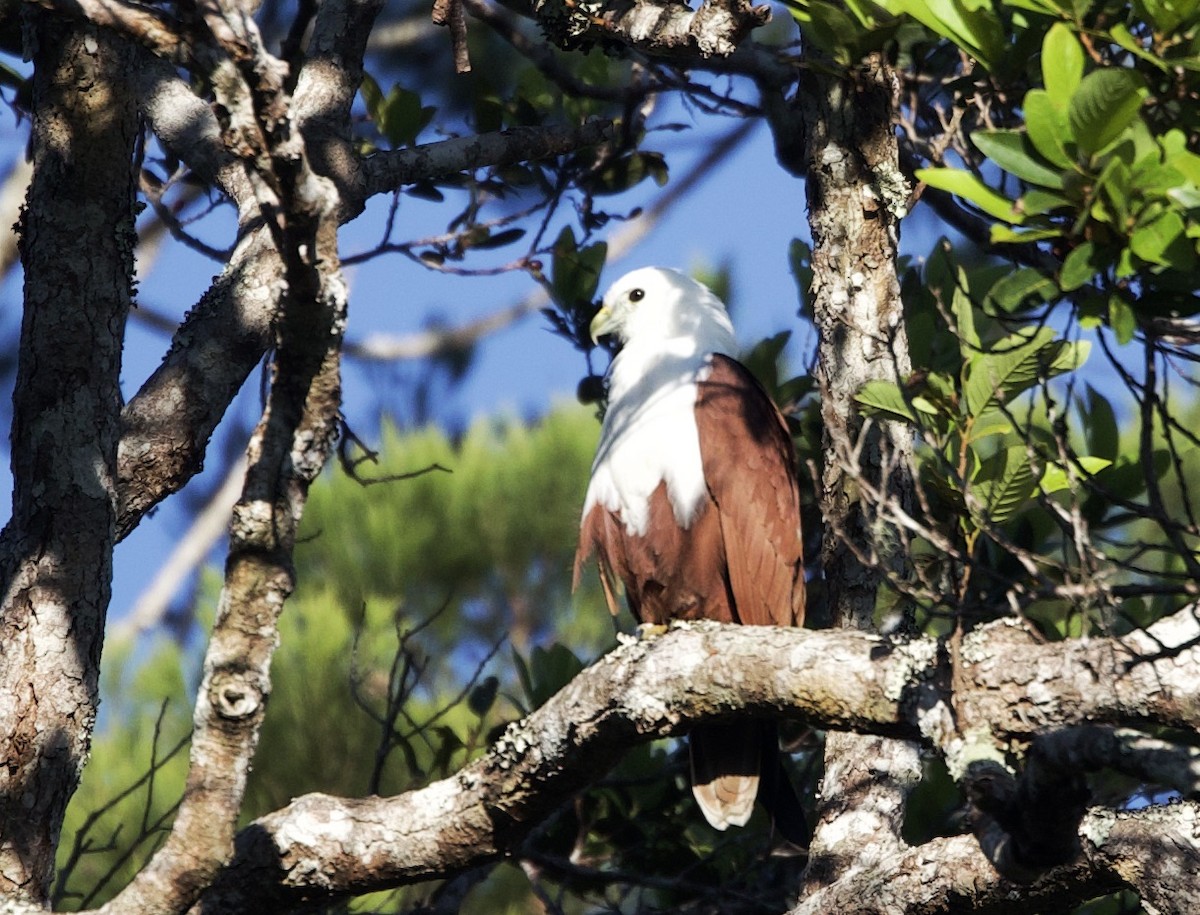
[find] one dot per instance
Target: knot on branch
(235, 694)
(719, 26)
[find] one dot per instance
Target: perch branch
(326, 846)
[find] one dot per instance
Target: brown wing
(750, 466)
(668, 574)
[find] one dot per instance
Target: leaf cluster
(1099, 166)
(1004, 477)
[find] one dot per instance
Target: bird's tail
(735, 763)
(726, 761)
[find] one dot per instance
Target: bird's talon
(650, 631)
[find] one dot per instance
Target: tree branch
(665, 28)
(388, 171)
(951, 874)
(166, 426)
(287, 451)
(321, 845)
(1028, 823)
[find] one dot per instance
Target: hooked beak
(602, 324)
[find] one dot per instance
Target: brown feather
(741, 560)
(751, 475)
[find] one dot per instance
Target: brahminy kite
(693, 507)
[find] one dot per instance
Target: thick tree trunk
(77, 241)
(856, 197)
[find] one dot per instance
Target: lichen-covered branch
(322, 845)
(951, 874)
(1153, 851)
(664, 28)
(286, 453)
(1029, 822)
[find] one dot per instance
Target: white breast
(649, 435)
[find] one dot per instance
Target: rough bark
(854, 186)
(287, 451)
(321, 846)
(665, 28)
(77, 243)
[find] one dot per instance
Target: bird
(693, 507)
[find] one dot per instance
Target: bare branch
(325, 91)
(188, 128)
(289, 447)
(384, 172)
(168, 423)
(450, 13)
(322, 845)
(151, 27)
(1031, 822)
(952, 875)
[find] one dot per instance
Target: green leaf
(763, 359)
(372, 96)
(993, 422)
(1017, 288)
(973, 27)
(964, 184)
(964, 316)
(1114, 184)
(1015, 364)
(623, 173)
(1105, 103)
(1121, 35)
(1055, 477)
(1164, 15)
(483, 696)
(886, 399)
(497, 240)
(1012, 151)
(1000, 235)
(1156, 241)
(1071, 355)
(1062, 64)
(1100, 422)
(550, 669)
(1121, 319)
(1004, 482)
(575, 272)
(1039, 203)
(800, 263)
(827, 26)
(1048, 127)
(1079, 267)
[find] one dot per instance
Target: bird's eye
(636, 295)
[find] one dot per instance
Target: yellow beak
(602, 324)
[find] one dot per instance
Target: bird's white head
(654, 305)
